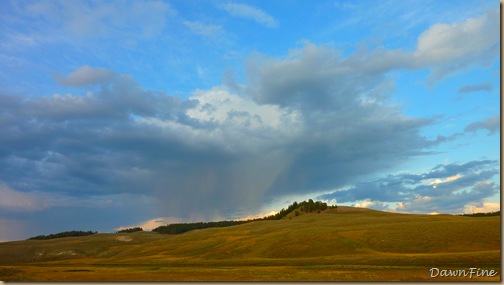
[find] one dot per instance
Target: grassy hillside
(337, 244)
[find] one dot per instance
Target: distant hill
(297, 208)
(342, 243)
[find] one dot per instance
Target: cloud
(453, 202)
(204, 30)
(318, 77)
(90, 19)
(248, 12)
(444, 189)
(216, 152)
(309, 122)
(483, 207)
(448, 179)
(372, 205)
(86, 75)
(491, 124)
(484, 86)
(444, 49)
(449, 48)
(154, 223)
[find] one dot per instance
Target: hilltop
(337, 244)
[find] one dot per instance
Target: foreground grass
(355, 269)
(348, 245)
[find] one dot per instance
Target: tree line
(131, 230)
(305, 206)
(178, 228)
(497, 213)
(63, 234)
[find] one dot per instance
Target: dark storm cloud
(210, 154)
(446, 188)
(350, 129)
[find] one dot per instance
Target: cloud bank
(308, 123)
(216, 152)
(449, 188)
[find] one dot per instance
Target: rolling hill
(350, 244)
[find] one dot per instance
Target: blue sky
(141, 113)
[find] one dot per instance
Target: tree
(131, 230)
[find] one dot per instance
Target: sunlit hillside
(336, 244)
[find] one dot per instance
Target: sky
(116, 114)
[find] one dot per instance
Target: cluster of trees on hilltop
(311, 206)
(497, 213)
(305, 206)
(131, 230)
(63, 234)
(178, 228)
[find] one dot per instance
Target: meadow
(343, 244)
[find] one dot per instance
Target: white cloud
(484, 207)
(248, 12)
(231, 122)
(376, 205)
(444, 49)
(448, 48)
(154, 223)
(218, 105)
(448, 179)
(364, 204)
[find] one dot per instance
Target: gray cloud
(86, 75)
(216, 152)
(484, 86)
(491, 124)
(310, 122)
(446, 188)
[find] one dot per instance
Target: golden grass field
(344, 244)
